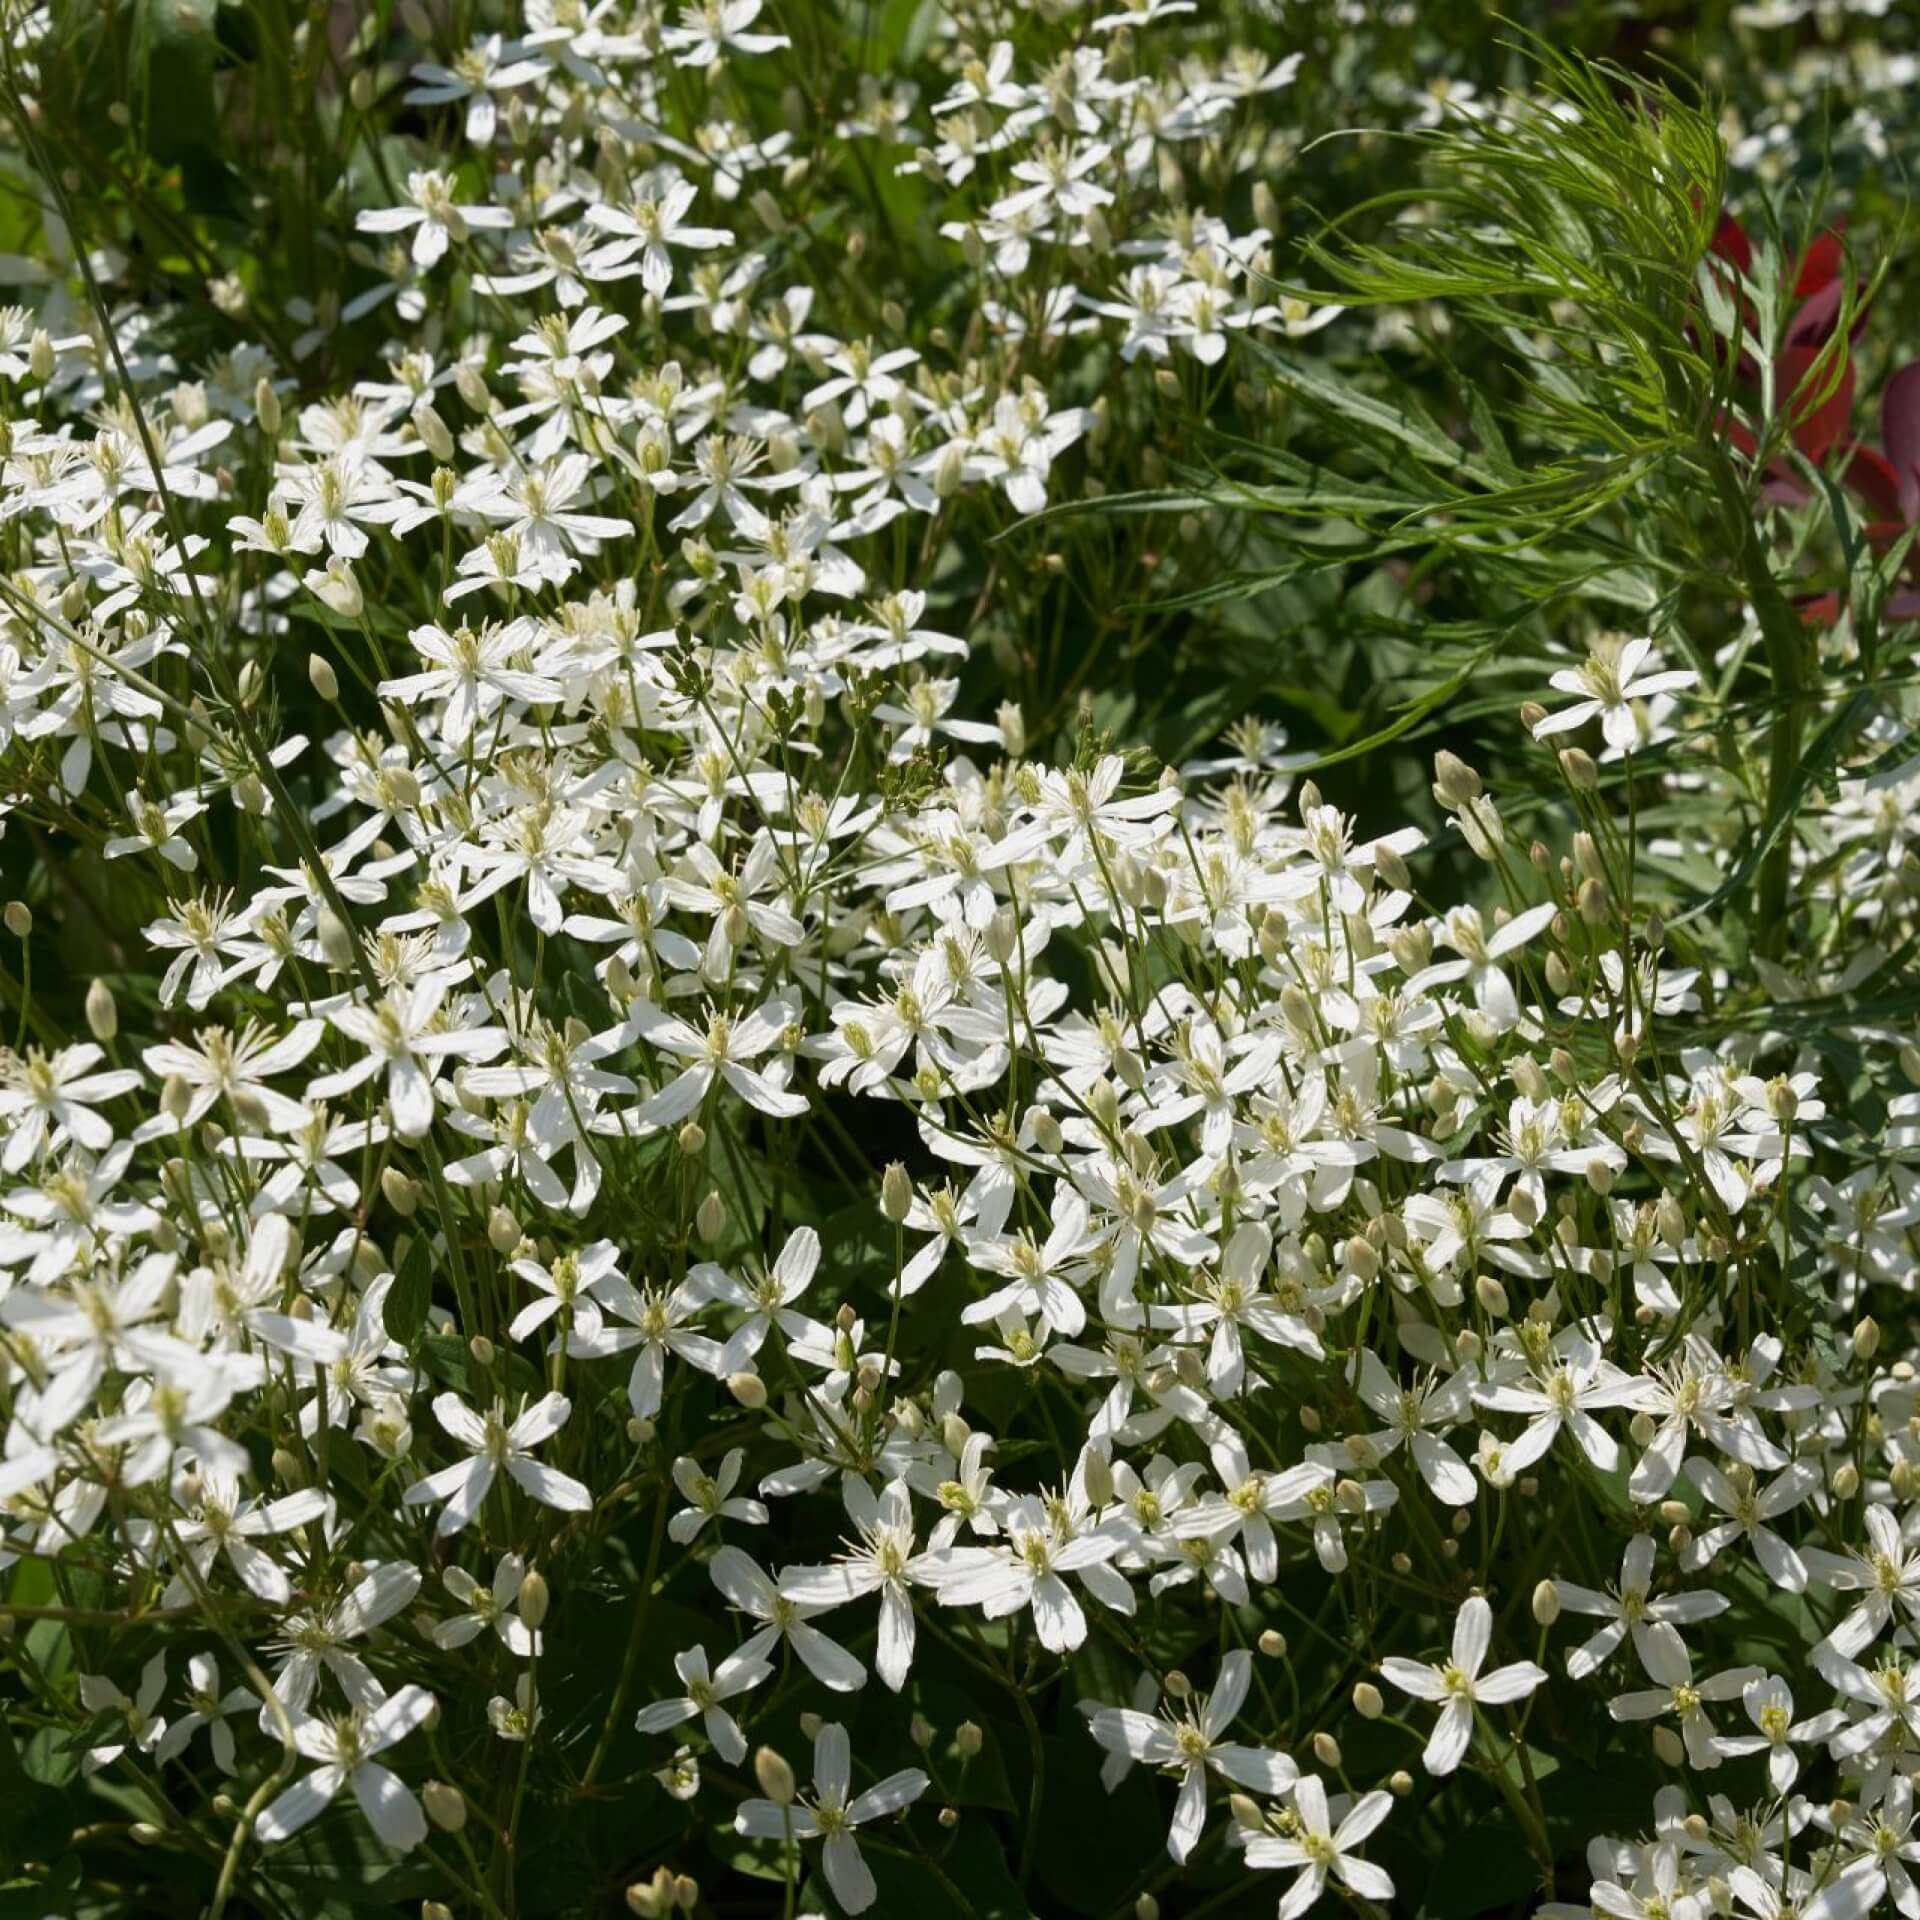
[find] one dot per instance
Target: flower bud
(1546, 1603)
(1400, 1783)
(968, 1739)
(482, 1349)
(471, 386)
(335, 587)
(336, 941)
(1097, 1477)
(1578, 769)
(1668, 1747)
(446, 1805)
(1455, 784)
(1866, 1339)
(775, 1776)
(1491, 1295)
(103, 1014)
(896, 1192)
(1273, 1643)
(402, 1194)
(19, 919)
(710, 1221)
(503, 1230)
(748, 1389)
(322, 678)
(432, 431)
(1367, 1702)
(692, 1139)
(535, 1599)
(1846, 1481)
(1002, 935)
(1326, 1749)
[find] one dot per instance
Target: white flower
(141, 1727)
(1024, 1572)
(714, 25)
(494, 1443)
(488, 1607)
(208, 1707)
(829, 1815)
(1606, 685)
(882, 1562)
(485, 67)
(405, 1040)
(1191, 1746)
(1573, 1380)
(1319, 1848)
(1632, 1607)
(345, 1748)
(437, 221)
(1676, 1691)
(752, 1590)
(1887, 1571)
(721, 1052)
(50, 1099)
(1769, 1705)
(705, 1691)
(648, 224)
(711, 1498)
(1457, 1687)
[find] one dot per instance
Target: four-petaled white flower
(1191, 1746)
(346, 1747)
(493, 1443)
(831, 1816)
(1605, 685)
(1319, 1849)
(1457, 1686)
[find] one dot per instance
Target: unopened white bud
(336, 940)
(535, 1599)
(446, 1805)
(896, 1192)
(775, 1776)
(103, 1014)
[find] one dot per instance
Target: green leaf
(1341, 399)
(174, 41)
(36, 1820)
(448, 1358)
(1485, 1866)
(1819, 757)
(411, 1293)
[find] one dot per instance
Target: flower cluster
(647, 1088)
